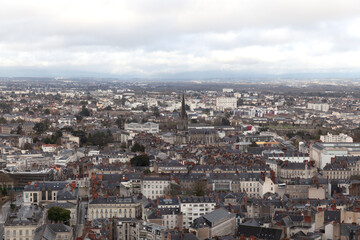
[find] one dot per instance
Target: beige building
(118, 207)
(23, 222)
(289, 170)
(153, 186)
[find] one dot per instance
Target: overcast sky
(160, 39)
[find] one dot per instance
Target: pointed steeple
(183, 120)
(183, 114)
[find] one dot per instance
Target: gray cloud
(154, 38)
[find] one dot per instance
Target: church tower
(183, 118)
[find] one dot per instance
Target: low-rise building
(113, 206)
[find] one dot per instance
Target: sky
(179, 38)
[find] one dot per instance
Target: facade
(322, 153)
(148, 127)
(153, 186)
(323, 107)
(336, 138)
(24, 140)
(47, 192)
(118, 207)
(289, 170)
(223, 103)
(195, 207)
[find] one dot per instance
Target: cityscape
(147, 160)
(180, 120)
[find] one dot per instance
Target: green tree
(28, 146)
(84, 112)
(155, 111)
(41, 127)
(119, 122)
(199, 188)
(100, 139)
(138, 148)
(19, 130)
(58, 214)
(2, 120)
(225, 122)
(140, 161)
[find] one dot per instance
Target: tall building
(183, 119)
(182, 125)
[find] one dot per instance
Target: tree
(28, 146)
(225, 122)
(19, 130)
(41, 127)
(2, 120)
(140, 161)
(108, 108)
(119, 122)
(138, 148)
(100, 138)
(199, 188)
(3, 190)
(58, 214)
(155, 111)
(84, 112)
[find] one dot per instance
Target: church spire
(183, 118)
(183, 114)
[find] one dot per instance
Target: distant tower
(183, 120)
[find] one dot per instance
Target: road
(81, 218)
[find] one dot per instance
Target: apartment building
(153, 186)
(323, 107)
(195, 207)
(336, 138)
(148, 127)
(223, 103)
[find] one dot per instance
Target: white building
(24, 140)
(322, 153)
(324, 107)
(49, 147)
(223, 103)
(148, 127)
(155, 186)
(195, 207)
(336, 138)
(114, 206)
(228, 90)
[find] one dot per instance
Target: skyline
(179, 40)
